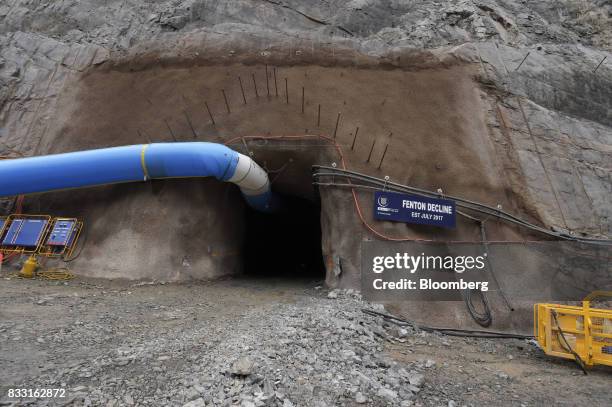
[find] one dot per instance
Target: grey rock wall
(549, 114)
(119, 24)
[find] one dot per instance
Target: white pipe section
(250, 177)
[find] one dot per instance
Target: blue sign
(397, 207)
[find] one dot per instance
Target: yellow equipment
(29, 267)
(573, 332)
(60, 273)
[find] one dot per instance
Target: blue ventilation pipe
(137, 163)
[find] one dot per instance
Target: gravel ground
(255, 342)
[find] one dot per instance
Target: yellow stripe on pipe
(143, 162)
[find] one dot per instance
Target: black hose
(498, 215)
(83, 242)
(465, 333)
(461, 202)
(484, 318)
(567, 347)
(483, 236)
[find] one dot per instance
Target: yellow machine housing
(568, 331)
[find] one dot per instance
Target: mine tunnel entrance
(286, 243)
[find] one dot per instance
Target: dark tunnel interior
(286, 243)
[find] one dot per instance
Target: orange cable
(355, 199)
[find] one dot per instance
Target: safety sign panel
(396, 207)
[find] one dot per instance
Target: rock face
(565, 104)
(425, 24)
(502, 102)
